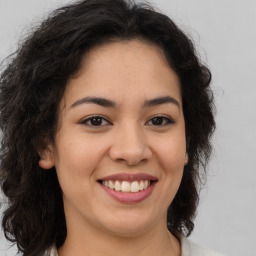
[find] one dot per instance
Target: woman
(106, 116)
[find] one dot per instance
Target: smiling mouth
(127, 186)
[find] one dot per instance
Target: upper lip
(129, 177)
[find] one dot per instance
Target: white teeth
(117, 186)
(135, 186)
(146, 183)
(111, 184)
(141, 185)
(105, 183)
(126, 186)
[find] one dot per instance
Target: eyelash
(167, 120)
(101, 119)
(90, 119)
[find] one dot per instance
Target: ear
(186, 159)
(46, 158)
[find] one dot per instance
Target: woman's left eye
(95, 121)
(160, 121)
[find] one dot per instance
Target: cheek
(77, 157)
(76, 163)
(171, 153)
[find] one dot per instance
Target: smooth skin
(132, 133)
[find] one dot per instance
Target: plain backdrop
(224, 32)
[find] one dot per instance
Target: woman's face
(120, 147)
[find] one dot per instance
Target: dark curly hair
(32, 85)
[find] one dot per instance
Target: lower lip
(126, 197)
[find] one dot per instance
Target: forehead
(124, 70)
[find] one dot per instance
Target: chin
(128, 225)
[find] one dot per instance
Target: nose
(130, 146)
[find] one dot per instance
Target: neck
(91, 241)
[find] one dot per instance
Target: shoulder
(190, 248)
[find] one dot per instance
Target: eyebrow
(161, 100)
(111, 104)
(95, 100)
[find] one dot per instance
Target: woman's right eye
(95, 121)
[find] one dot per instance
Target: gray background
(225, 34)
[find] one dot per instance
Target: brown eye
(95, 121)
(160, 121)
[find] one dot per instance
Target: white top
(188, 248)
